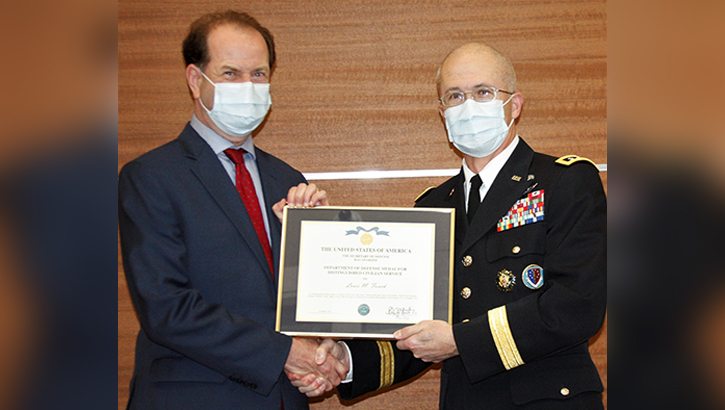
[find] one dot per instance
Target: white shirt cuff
(348, 378)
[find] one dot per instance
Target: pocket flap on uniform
(557, 377)
(181, 369)
(517, 242)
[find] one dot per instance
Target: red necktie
(245, 186)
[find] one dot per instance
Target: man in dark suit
(200, 240)
(530, 267)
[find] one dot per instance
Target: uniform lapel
(458, 201)
(207, 168)
(507, 188)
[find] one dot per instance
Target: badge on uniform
(505, 280)
(533, 276)
(527, 210)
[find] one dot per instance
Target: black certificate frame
(444, 220)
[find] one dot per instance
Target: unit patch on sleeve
(526, 210)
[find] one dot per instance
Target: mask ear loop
(210, 82)
(204, 106)
(512, 118)
(504, 104)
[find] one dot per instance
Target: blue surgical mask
(239, 108)
(477, 128)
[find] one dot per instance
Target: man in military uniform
(530, 268)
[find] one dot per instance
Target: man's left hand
(429, 340)
(302, 196)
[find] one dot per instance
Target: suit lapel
(207, 168)
(273, 192)
(507, 188)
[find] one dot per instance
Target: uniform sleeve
(569, 309)
(171, 311)
(376, 365)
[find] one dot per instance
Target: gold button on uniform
(464, 321)
(467, 260)
(466, 292)
(516, 249)
(564, 391)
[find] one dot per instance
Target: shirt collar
(491, 170)
(218, 143)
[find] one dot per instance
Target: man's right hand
(320, 371)
(327, 353)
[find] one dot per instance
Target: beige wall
(354, 90)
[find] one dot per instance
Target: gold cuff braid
(502, 337)
(387, 364)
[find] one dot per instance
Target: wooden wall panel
(354, 90)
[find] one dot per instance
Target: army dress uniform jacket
(529, 292)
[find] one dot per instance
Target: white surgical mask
(239, 108)
(477, 129)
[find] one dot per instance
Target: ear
(441, 110)
(517, 102)
(193, 80)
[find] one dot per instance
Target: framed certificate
(364, 272)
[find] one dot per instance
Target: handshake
(316, 366)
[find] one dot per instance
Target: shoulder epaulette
(570, 159)
(424, 193)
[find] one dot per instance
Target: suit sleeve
(376, 365)
(569, 309)
(171, 311)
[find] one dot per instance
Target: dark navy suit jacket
(200, 283)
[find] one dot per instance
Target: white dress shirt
(489, 172)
